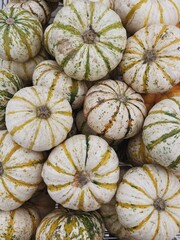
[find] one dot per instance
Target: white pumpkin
(38, 118)
(151, 60)
(114, 110)
(107, 3)
(86, 39)
(148, 203)
(20, 173)
(82, 173)
(49, 74)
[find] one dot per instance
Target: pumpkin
(151, 60)
(178, 25)
(9, 85)
(107, 3)
(161, 133)
(66, 225)
(24, 70)
(114, 110)
(20, 35)
(38, 118)
(89, 43)
(19, 224)
(82, 173)
(37, 7)
(148, 203)
(20, 173)
(136, 14)
(49, 74)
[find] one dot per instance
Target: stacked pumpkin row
(88, 51)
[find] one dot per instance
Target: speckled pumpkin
(20, 224)
(49, 74)
(67, 225)
(107, 3)
(114, 110)
(151, 60)
(20, 173)
(87, 40)
(161, 133)
(148, 203)
(38, 118)
(82, 173)
(20, 35)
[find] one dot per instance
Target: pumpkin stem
(10, 21)
(1, 169)
(80, 179)
(90, 36)
(149, 56)
(43, 112)
(122, 98)
(159, 204)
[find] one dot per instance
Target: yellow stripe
(136, 187)
(173, 218)
(106, 174)
(20, 182)
(77, 14)
(3, 137)
(52, 134)
(148, 15)
(108, 186)
(146, 78)
(169, 44)
(104, 160)
(33, 219)
(43, 226)
(138, 41)
(81, 200)
(125, 68)
(95, 198)
(173, 196)
(65, 128)
(53, 85)
(41, 75)
(10, 227)
(152, 179)
(161, 12)
(23, 99)
(31, 145)
(22, 165)
(59, 101)
(19, 111)
(91, 8)
(169, 57)
(65, 113)
(167, 184)
(169, 206)
(59, 187)
(157, 228)
(163, 29)
(57, 168)
(176, 7)
(36, 93)
(67, 200)
(68, 155)
(53, 226)
(132, 51)
(131, 205)
(20, 127)
(9, 154)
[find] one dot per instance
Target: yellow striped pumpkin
(107, 3)
(151, 60)
(114, 110)
(20, 35)
(38, 118)
(82, 173)
(9, 85)
(49, 74)
(136, 14)
(19, 224)
(20, 172)
(90, 43)
(25, 70)
(161, 133)
(67, 225)
(148, 203)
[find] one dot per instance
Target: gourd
(9, 85)
(20, 173)
(136, 14)
(66, 225)
(107, 3)
(20, 35)
(82, 173)
(38, 118)
(49, 74)
(148, 203)
(151, 63)
(90, 43)
(114, 110)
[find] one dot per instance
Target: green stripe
(5, 94)
(103, 57)
(87, 148)
(12, 79)
(165, 113)
(111, 46)
(77, 14)
(11, 12)
(74, 90)
(21, 13)
(175, 163)
(145, 78)
(163, 138)
(67, 28)
(102, 15)
(159, 122)
(91, 8)
(87, 66)
(176, 101)
(110, 27)
(7, 43)
(35, 30)
(3, 13)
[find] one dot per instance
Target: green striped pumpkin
(82, 173)
(38, 118)
(151, 61)
(20, 35)
(49, 74)
(20, 173)
(9, 85)
(87, 40)
(148, 203)
(67, 225)
(161, 133)
(20, 223)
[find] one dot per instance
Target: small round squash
(107, 3)
(38, 118)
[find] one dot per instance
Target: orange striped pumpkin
(20, 173)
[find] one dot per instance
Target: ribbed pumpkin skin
(25, 70)
(31, 131)
(161, 133)
(114, 110)
(137, 203)
(20, 173)
(9, 85)
(78, 22)
(49, 74)
(82, 173)
(136, 14)
(67, 225)
(20, 35)
(151, 60)
(107, 3)
(19, 224)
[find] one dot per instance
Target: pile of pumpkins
(90, 120)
